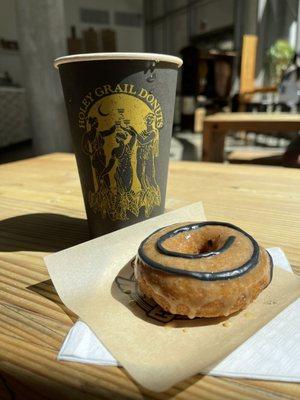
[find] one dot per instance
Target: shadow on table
(47, 290)
(28, 386)
(48, 232)
(42, 232)
(45, 233)
(124, 289)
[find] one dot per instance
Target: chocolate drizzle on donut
(163, 250)
(204, 276)
(271, 266)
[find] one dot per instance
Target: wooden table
(216, 127)
(42, 212)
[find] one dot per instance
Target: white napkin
(272, 353)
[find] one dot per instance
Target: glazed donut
(206, 269)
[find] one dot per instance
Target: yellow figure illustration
(92, 143)
(122, 142)
(121, 157)
(147, 150)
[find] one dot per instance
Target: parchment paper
(94, 280)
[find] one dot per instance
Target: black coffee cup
(120, 108)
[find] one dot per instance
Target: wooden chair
(247, 75)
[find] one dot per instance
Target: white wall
(9, 60)
(171, 34)
(128, 38)
(8, 25)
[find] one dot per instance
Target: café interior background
(207, 34)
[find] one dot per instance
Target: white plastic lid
(117, 56)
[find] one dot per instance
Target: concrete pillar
(245, 20)
(42, 38)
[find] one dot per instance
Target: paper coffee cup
(120, 108)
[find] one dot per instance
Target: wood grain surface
(42, 212)
(288, 118)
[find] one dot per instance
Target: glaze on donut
(206, 269)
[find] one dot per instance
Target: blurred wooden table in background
(216, 126)
(42, 212)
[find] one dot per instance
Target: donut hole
(193, 243)
(210, 245)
